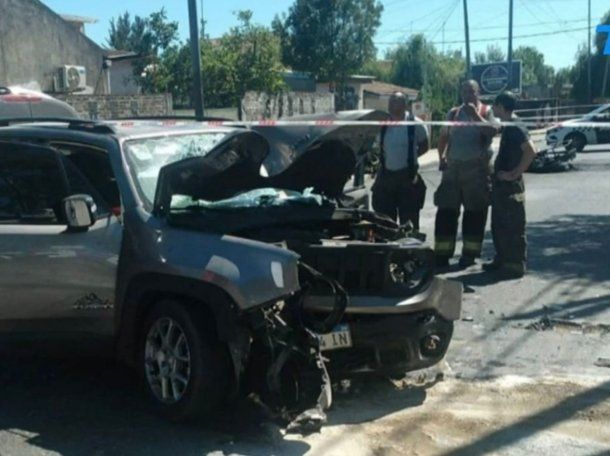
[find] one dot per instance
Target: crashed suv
(221, 261)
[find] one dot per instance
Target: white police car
(577, 133)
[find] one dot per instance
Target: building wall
(35, 42)
(122, 81)
(375, 101)
(107, 107)
(355, 93)
(256, 105)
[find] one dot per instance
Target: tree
(248, 57)
(413, 62)
(599, 64)
(254, 53)
(534, 70)
(329, 38)
(418, 65)
(149, 37)
(380, 69)
(494, 53)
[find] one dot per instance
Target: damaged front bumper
(282, 362)
(391, 338)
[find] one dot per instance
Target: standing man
(508, 192)
(464, 156)
(399, 191)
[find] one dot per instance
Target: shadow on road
(571, 247)
(579, 309)
(91, 405)
(567, 247)
(532, 425)
(88, 404)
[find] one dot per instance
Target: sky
(555, 27)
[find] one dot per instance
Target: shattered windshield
(147, 156)
(258, 198)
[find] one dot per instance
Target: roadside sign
(493, 77)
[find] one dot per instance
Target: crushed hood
(292, 158)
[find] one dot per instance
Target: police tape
(360, 123)
(559, 108)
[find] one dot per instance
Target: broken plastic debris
(307, 422)
(602, 362)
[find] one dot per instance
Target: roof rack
(73, 124)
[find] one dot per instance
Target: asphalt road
(538, 339)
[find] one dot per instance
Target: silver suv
(219, 260)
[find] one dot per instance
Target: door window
(32, 185)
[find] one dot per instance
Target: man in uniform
(464, 154)
(399, 190)
(508, 193)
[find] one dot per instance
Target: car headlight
(409, 273)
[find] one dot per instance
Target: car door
(51, 278)
(602, 132)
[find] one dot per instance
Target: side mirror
(80, 212)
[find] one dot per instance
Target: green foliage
(250, 56)
(150, 37)
(534, 71)
(413, 61)
(579, 72)
(494, 53)
(418, 65)
(329, 38)
(380, 69)
(245, 58)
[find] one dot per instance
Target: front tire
(575, 141)
(184, 367)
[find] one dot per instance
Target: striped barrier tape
(354, 123)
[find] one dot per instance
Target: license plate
(339, 337)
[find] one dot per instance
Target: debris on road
(603, 362)
(547, 323)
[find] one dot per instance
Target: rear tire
(185, 369)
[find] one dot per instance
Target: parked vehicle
(573, 136)
(216, 258)
(17, 102)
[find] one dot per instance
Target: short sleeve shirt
(468, 143)
(510, 153)
(396, 145)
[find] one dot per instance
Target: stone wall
(257, 105)
(106, 107)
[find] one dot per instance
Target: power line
(495, 27)
(451, 11)
(434, 11)
(499, 38)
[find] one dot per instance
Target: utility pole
(196, 58)
(590, 94)
(603, 95)
(467, 31)
(510, 44)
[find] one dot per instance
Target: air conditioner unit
(72, 78)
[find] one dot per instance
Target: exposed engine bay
(349, 260)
